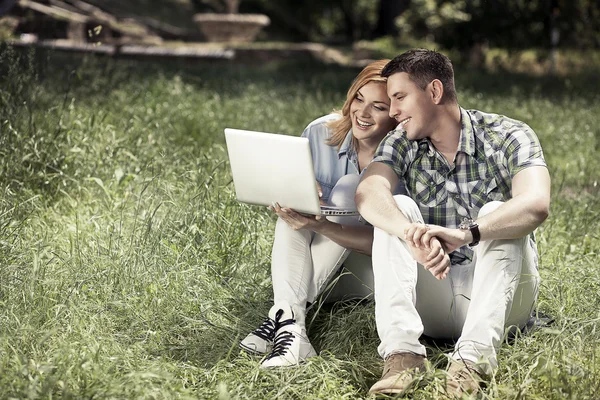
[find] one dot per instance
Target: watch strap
(474, 228)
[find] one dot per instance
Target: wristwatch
(469, 224)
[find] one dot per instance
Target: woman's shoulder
(319, 127)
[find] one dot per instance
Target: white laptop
(268, 167)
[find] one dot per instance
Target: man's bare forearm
(520, 215)
(516, 218)
(377, 205)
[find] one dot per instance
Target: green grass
(129, 270)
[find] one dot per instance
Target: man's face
(410, 105)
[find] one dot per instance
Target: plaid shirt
(492, 149)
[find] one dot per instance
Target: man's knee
(409, 208)
(488, 208)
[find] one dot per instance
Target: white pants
(475, 303)
(303, 262)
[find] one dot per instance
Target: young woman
(307, 251)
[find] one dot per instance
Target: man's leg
(401, 284)
(395, 271)
(504, 290)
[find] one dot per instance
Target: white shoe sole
(281, 361)
(253, 351)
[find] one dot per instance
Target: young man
(453, 256)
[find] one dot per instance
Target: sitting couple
(452, 197)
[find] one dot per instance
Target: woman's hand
(320, 192)
(299, 221)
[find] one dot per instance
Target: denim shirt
(330, 164)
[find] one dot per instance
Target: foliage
(332, 21)
(452, 24)
(221, 6)
(426, 17)
(129, 270)
(503, 23)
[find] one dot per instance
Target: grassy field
(128, 270)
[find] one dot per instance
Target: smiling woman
(309, 250)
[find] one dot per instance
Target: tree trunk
(389, 10)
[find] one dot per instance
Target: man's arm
(375, 201)
(376, 204)
(528, 208)
(517, 217)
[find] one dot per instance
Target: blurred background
(509, 34)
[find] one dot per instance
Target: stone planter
(240, 28)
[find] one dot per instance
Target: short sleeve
(522, 150)
(393, 151)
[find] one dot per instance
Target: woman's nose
(363, 111)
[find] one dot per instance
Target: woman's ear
(437, 91)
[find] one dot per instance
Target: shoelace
(266, 330)
(283, 339)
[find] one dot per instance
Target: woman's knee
(342, 194)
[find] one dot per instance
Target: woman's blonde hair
(339, 128)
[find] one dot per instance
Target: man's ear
(437, 91)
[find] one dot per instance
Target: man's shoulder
(495, 121)
(490, 127)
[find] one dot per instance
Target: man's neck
(446, 133)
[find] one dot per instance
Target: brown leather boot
(463, 377)
(399, 373)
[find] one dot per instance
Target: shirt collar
(466, 141)
(346, 148)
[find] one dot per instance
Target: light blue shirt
(330, 164)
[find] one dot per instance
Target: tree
(387, 13)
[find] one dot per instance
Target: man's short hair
(422, 67)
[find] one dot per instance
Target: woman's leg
(292, 268)
(354, 281)
(301, 264)
(328, 256)
(291, 272)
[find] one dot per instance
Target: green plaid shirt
(492, 149)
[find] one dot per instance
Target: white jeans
(475, 303)
(303, 262)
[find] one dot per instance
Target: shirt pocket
(429, 188)
(483, 191)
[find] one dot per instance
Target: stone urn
(239, 28)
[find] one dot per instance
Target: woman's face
(369, 112)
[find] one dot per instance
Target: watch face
(465, 224)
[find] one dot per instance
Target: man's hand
(414, 235)
(451, 239)
(427, 251)
(298, 221)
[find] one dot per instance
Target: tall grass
(128, 270)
